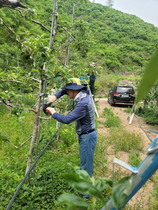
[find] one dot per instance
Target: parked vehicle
(120, 94)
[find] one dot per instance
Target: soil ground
(142, 197)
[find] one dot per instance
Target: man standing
(83, 115)
(92, 79)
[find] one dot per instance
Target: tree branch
(37, 22)
(13, 4)
(12, 81)
(36, 80)
(13, 106)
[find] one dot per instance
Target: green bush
(67, 135)
(46, 183)
(150, 115)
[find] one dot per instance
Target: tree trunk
(69, 38)
(41, 88)
(54, 24)
(36, 127)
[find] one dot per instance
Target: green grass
(107, 112)
(134, 159)
(124, 140)
(110, 119)
(154, 195)
(128, 110)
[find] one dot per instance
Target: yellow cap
(74, 80)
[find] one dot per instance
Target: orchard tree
(32, 61)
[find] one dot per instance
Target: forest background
(120, 45)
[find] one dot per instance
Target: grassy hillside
(122, 42)
(118, 42)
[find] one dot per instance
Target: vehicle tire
(108, 100)
(111, 102)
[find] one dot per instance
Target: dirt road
(141, 199)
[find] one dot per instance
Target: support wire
(29, 171)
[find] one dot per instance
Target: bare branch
(36, 80)
(13, 106)
(15, 81)
(17, 147)
(71, 35)
(45, 118)
(30, 110)
(13, 4)
(8, 103)
(37, 22)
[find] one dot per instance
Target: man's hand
(51, 99)
(50, 110)
(44, 108)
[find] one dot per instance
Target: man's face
(71, 93)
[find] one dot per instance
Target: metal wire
(144, 130)
(17, 147)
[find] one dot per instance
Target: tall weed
(124, 140)
(111, 120)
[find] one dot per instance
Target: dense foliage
(116, 41)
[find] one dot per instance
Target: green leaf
(82, 183)
(149, 78)
(120, 192)
(72, 201)
(101, 183)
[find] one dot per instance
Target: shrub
(150, 115)
(45, 185)
(2, 109)
(67, 135)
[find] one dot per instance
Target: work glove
(50, 110)
(51, 99)
(44, 108)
